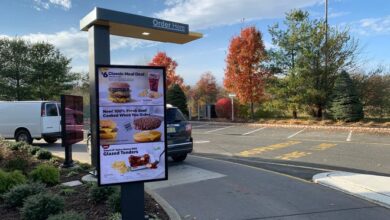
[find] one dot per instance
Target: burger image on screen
(119, 92)
(107, 129)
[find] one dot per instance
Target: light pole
(232, 96)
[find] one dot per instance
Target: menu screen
(131, 107)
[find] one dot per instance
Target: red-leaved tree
(223, 108)
(206, 88)
(161, 59)
(244, 74)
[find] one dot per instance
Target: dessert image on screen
(119, 92)
(107, 129)
(147, 123)
(136, 161)
(147, 136)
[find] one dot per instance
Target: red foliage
(206, 88)
(161, 59)
(223, 108)
(243, 74)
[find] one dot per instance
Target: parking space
(342, 148)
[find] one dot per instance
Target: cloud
(371, 26)
(74, 43)
(202, 14)
(45, 4)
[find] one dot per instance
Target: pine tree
(346, 104)
(177, 98)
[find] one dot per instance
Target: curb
(349, 128)
(171, 212)
(352, 189)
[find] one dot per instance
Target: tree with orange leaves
(206, 88)
(244, 74)
(161, 59)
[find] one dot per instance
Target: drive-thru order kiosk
(128, 105)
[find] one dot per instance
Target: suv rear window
(174, 115)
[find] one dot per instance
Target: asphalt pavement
(235, 191)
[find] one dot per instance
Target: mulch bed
(78, 200)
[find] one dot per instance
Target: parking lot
(328, 148)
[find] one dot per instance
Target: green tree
(345, 104)
(33, 71)
(14, 70)
(177, 98)
(50, 71)
(305, 57)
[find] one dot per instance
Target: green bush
(46, 173)
(34, 149)
(41, 206)
(115, 216)
(114, 201)
(66, 190)
(17, 163)
(71, 215)
(100, 193)
(10, 179)
(16, 196)
(15, 146)
(43, 154)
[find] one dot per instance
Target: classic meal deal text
(131, 124)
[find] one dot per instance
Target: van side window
(51, 110)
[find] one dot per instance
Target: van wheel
(50, 140)
(23, 135)
(179, 157)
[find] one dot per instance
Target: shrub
(43, 154)
(223, 108)
(10, 179)
(46, 173)
(18, 163)
(16, 196)
(85, 166)
(116, 216)
(41, 206)
(34, 149)
(71, 215)
(15, 146)
(67, 191)
(114, 201)
(98, 194)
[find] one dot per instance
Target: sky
(57, 22)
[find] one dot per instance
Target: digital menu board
(72, 119)
(131, 121)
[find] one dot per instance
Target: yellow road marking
(293, 155)
(323, 146)
(260, 150)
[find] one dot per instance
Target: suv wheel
(23, 135)
(179, 157)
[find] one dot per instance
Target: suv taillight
(188, 128)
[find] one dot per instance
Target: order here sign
(132, 127)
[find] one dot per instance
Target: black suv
(178, 134)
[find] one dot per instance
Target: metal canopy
(136, 26)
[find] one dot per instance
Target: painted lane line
(218, 129)
(201, 142)
(296, 133)
(264, 149)
(293, 155)
(349, 136)
(197, 126)
(253, 131)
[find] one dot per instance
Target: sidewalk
(370, 187)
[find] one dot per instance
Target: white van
(28, 120)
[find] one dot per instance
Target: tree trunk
(319, 112)
(295, 114)
(252, 111)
